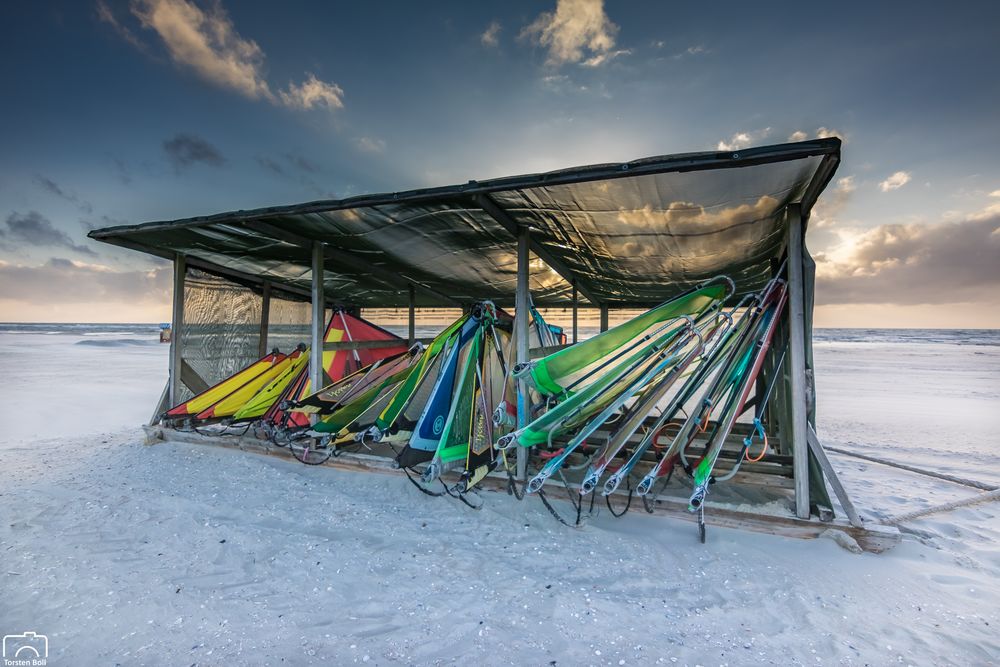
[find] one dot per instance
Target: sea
(921, 396)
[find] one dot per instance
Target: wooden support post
(318, 315)
(797, 360)
(265, 316)
(176, 328)
(523, 314)
(576, 308)
(604, 317)
(831, 476)
(412, 316)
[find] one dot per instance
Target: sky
(134, 110)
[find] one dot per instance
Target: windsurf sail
(219, 391)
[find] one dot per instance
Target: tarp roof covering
(628, 234)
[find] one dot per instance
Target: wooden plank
(875, 538)
(265, 318)
(411, 316)
(161, 405)
(833, 479)
(522, 312)
(367, 344)
(318, 316)
(539, 352)
(191, 379)
(576, 308)
(176, 329)
(797, 360)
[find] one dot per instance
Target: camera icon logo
(25, 646)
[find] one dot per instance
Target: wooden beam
(368, 344)
(411, 317)
(191, 379)
(318, 316)
(539, 352)
(576, 308)
(873, 537)
(161, 405)
(265, 317)
(797, 359)
(348, 260)
(523, 314)
(176, 328)
(504, 220)
(604, 317)
(833, 479)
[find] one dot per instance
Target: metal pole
(575, 309)
(521, 338)
(604, 317)
(797, 361)
(176, 325)
(318, 317)
(265, 316)
(412, 317)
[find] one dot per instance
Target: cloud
(831, 203)
(995, 193)
(491, 36)
(207, 42)
(185, 150)
(895, 181)
(34, 229)
(742, 140)
(105, 15)
(915, 264)
(370, 144)
(52, 187)
(288, 160)
(576, 28)
(821, 133)
(313, 93)
(689, 51)
(63, 281)
(846, 184)
(271, 165)
(601, 58)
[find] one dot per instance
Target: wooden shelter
(610, 236)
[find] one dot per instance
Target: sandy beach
(182, 554)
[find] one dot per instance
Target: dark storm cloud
(63, 281)
(271, 165)
(301, 163)
(185, 150)
(53, 188)
(281, 165)
(34, 229)
(917, 264)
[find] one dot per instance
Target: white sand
(175, 554)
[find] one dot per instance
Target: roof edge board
(650, 165)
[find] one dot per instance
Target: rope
(985, 497)
(763, 451)
(920, 471)
(628, 503)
